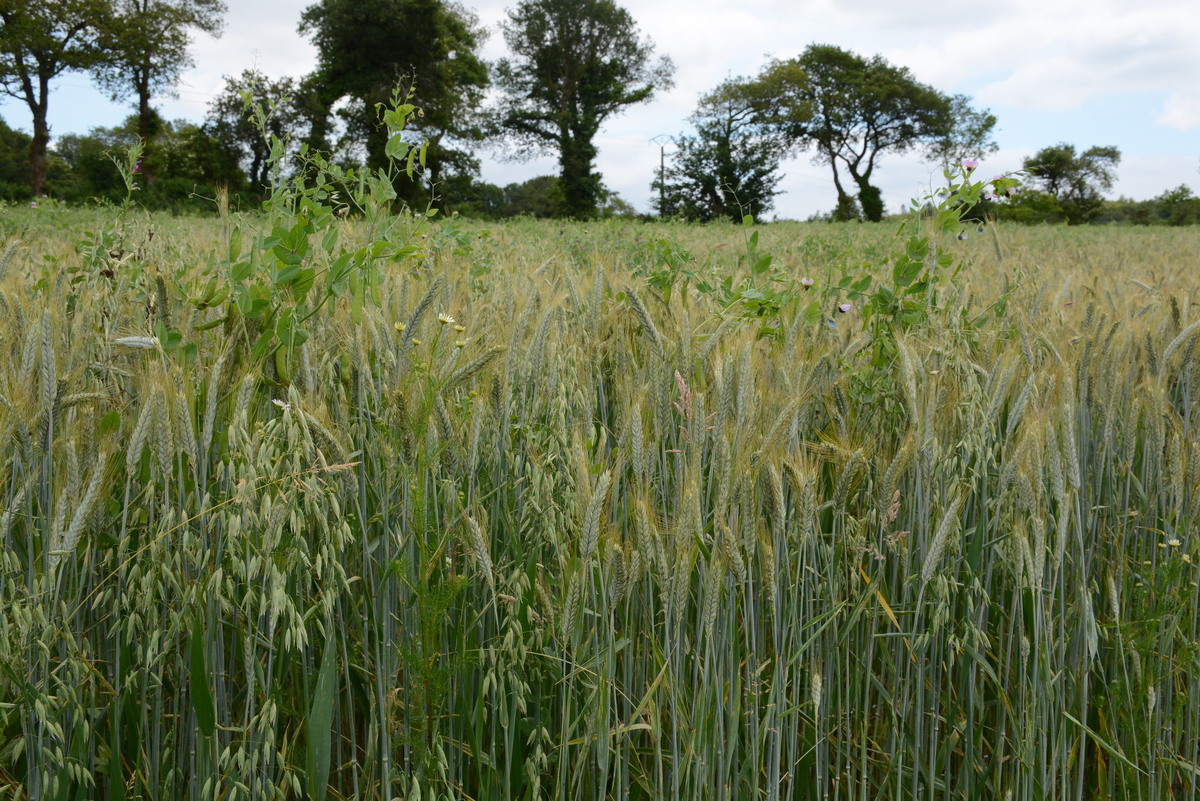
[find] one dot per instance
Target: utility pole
(661, 140)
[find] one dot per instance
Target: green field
(542, 510)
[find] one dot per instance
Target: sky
(1087, 72)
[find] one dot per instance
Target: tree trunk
(846, 209)
(37, 155)
(580, 187)
(41, 137)
(147, 130)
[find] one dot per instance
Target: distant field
(540, 513)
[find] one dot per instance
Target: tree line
(573, 65)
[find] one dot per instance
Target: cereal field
(297, 505)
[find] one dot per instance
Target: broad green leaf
(240, 271)
(329, 242)
(320, 720)
(396, 148)
(905, 271)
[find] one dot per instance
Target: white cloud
(1181, 110)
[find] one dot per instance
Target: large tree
(730, 167)
(145, 45)
(1075, 180)
(366, 48)
(968, 137)
(38, 42)
(574, 64)
(851, 110)
(229, 120)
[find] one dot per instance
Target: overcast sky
(1088, 72)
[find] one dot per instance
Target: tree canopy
(38, 42)
(229, 121)
(1075, 181)
(575, 63)
(366, 48)
(851, 110)
(730, 167)
(145, 50)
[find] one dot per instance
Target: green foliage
(38, 42)
(14, 163)
(851, 110)
(968, 137)
(912, 296)
(574, 65)
(270, 291)
(539, 197)
(777, 297)
(144, 46)
(365, 46)
(730, 167)
(1074, 180)
(1178, 206)
(190, 164)
(230, 123)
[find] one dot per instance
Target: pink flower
(806, 283)
(845, 307)
(970, 164)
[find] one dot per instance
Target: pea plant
(297, 261)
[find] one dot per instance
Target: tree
(146, 51)
(969, 135)
(38, 42)
(730, 167)
(365, 48)
(229, 121)
(189, 160)
(1178, 206)
(852, 109)
(145, 45)
(575, 64)
(14, 163)
(1075, 181)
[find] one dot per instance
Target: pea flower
(845, 307)
(806, 283)
(970, 164)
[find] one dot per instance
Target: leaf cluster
(730, 167)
